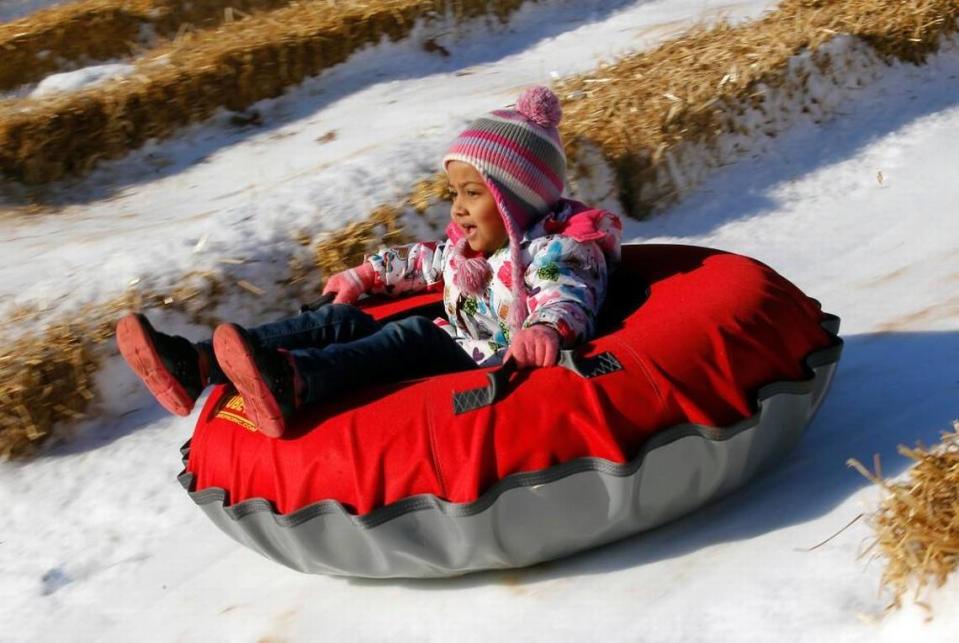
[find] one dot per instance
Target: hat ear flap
(518, 311)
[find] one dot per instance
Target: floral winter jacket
(566, 255)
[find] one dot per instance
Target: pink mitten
(537, 345)
(350, 284)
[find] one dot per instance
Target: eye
(472, 193)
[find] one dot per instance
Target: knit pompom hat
(520, 156)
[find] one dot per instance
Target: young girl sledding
(523, 273)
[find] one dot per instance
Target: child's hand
(350, 284)
(537, 345)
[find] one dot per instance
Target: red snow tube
(692, 333)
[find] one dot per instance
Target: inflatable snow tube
(707, 369)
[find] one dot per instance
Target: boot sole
(235, 356)
(136, 346)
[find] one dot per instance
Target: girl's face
(474, 209)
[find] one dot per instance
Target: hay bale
(187, 80)
(347, 247)
(44, 381)
(41, 44)
(917, 523)
(47, 379)
(642, 113)
(645, 107)
(429, 191)
(64, 36)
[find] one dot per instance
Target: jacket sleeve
(567, 281)
(409, 269)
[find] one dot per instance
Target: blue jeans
(339, 348)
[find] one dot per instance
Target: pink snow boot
(170, 366)
(265, 377)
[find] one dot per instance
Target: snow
(80, 79)
(98, 541)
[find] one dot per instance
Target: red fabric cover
(715, 329)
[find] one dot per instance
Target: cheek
(492, 223)
(496, 232)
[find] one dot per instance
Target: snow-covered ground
(99, 542)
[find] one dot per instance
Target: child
(523, 272)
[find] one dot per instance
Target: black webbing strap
(587, 367)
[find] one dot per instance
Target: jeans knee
(339, 314)
(420, 330)
(416, 324)
(429, 345)
(341, 310)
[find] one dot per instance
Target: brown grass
(232, 66)
(917, 523)
(83, 32)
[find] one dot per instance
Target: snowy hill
(98, 542)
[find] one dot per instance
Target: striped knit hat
(520, 157)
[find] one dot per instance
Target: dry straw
(186, 81)
(56, 38)
(917, 523)
(43, 383)
(346, 248)
(693, 89)
(47, 380)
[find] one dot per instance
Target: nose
(457, 208)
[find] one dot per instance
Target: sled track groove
(52, 39)
(186, 81)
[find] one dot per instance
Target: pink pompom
(472, 273)
(541, 106)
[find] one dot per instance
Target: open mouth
(468, 228)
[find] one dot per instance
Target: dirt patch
(948, 309)
(882, 280)
(514, 583)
